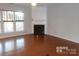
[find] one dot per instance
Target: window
(4, 16)
(0, 27)
(8, 27)
(0, 21)
(8, 16)
(19, 17)
(19, 26)
(11, 21)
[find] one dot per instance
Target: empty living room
(41, 29)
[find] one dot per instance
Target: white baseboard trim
(70, 39)
(5, 36)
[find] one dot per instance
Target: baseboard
(70, 39)
(5, 36)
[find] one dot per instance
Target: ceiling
(28, 4)
(38, 4)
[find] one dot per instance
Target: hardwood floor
(38, 45)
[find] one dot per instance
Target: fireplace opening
(38, 29)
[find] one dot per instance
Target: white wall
(39, 16)
(27, 19)
(39, 13)
(63, 21)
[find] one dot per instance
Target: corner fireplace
(39, 30)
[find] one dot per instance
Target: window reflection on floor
(0, 48)
(19, 43)
(9, 45)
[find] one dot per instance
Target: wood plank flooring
(38, 45)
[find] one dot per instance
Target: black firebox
(38, 29)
